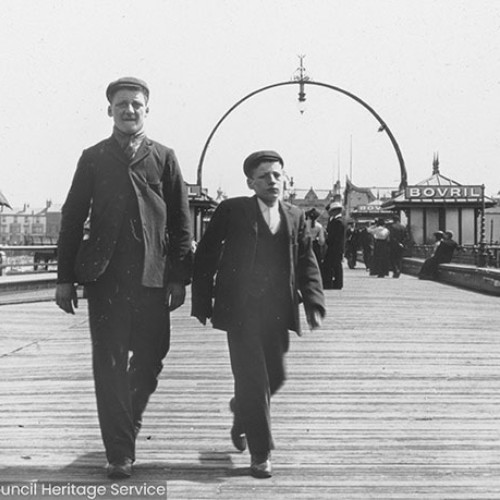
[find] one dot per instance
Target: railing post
(483, 255)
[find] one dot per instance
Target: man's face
(128, 108)
(267, 181)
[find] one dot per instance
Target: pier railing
(467, 254)
(22, 258)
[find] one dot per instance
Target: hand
(175, 295)
(314, 319)
(66, 297)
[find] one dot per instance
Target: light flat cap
(334, 205)
(127, 82)
(255, 159)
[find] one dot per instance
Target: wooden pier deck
(396, 397)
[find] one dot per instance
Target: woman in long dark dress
(429, 268)
(381, 250)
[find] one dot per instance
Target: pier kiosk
(440, 203)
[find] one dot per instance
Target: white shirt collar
(271, 215)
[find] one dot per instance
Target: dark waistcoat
(270, 274)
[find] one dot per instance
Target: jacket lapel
(250, 208)
(288, 219)
(114, 149)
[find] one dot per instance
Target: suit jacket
(335, 237)
(100, 184)
(398, 234)
(445, 250)
(225, 256)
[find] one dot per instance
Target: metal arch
(383, 125)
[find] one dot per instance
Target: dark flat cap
(127, 82)
(255, 159)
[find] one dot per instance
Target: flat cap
(127, 82)
(255, 159)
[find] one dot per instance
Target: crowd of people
(382, 245)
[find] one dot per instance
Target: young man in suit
(252, 267)
(133, 257)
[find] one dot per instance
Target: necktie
(131, 149)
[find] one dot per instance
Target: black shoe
(120, 469)
(239, 439)
(260, 466)
(237, 435)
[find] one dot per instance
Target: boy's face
(267, 181)
(128, 108)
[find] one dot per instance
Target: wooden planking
(396, 396)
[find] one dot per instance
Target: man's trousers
(130, 333)
(333, 272)
(257, 352)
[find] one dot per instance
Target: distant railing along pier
(470, 255)
(20, 258)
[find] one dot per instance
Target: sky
(429, 68)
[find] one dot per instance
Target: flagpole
(350, 163)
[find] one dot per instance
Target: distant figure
(318, 234)
(351, 245)
(397, 243)
(333, 274)
(438, 235)
(445, 247)
(366, 241)
(380, 261)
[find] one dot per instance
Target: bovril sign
(446, 192)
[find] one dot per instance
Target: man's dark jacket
(398, 235)
(224, 260)
(335, 238)
(100, 186)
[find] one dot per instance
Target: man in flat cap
(251, 264)
(126, 236)
(333, 273)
